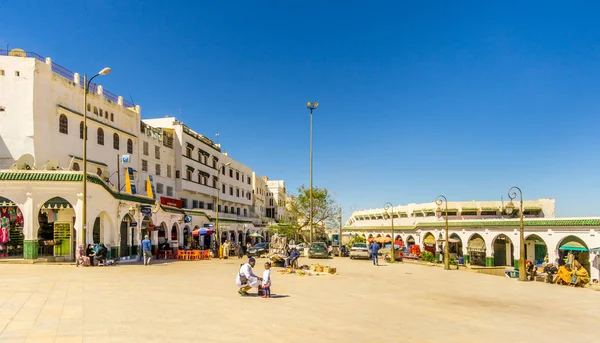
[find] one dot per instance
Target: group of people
(92, 255)
(246, 279)
(238, 249)
(571, 275)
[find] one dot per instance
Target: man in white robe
(252, 281)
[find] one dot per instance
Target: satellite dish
(25, 162)
(17, 53)
(51, 164)
(105, 175)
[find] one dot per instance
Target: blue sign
(208, 225)
(146, 211)
(133, 224)
(125, 159)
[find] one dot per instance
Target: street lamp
(438, 213)
(217, 206)
(86, 88)
(510, 207)
(340, 239)
(311, 105)
(388, 206)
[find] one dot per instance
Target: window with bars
(129, 146)
(116, 141)
(169, 171)
(144, 165)
(157, 152)
(100, 136)
(63, 124)
(145, 148)
(157, 169)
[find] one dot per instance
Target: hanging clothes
(4, 235)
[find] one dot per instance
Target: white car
(359, 250)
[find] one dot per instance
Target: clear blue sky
(464, 98)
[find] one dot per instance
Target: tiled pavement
(197, 301)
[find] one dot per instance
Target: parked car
(386, 252)
(359, 250)
(258, 250)
(300, 247)
(318, 250)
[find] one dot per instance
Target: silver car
(359, 250)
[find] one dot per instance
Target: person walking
(147, 250)
(375, 253)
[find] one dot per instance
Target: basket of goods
(319, 268)
(312, 267)
(332, 270)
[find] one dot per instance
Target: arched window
(63, 124)
(116, 141)
(95, 110)
(76, 166)
(100, 110)
(129, 146)
(100, 136)
(89, 107)
(106, 114)
(81, 130)
(112, 116)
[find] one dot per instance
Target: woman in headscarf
(101, 254)
(89, 252)
(80, 257)
(581, 276)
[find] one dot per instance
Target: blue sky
(463, 98)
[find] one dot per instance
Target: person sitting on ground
(89, 252)
(294, 255)
(564, 275)
(531, 270)
(246, 279)
(581, 276)
(101, 254)
(81, 258)
(550, 270)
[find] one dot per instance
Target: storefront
(476, 249)
(11, 230)
(56, 236)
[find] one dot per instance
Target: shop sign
(171, 202)
(187, 219)
(132, 224)
(208, 225)
(146, 211)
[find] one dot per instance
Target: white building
(276, 198)
(41, 111)
(483, 233)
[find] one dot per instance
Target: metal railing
(69, 75)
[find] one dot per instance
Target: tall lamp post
(388, 206)
(86, 88)
(510, 207)
(438, 212)
(311, 105)
(217, 231)
(340, 239)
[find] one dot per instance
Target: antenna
(51, 164)
(218, 139)
(25, 162)
(105, 175)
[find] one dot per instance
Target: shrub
(427, 256)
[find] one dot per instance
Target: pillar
(516, 255)
(508, 256)
(30, 225)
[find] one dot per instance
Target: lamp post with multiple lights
(86, 88)
(311, 105)
(510, 207)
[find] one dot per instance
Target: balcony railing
(69, 75)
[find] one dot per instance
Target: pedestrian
(374, 253)
(240, 251)
(245, 278)
(266, 280)
(147, 249)
(101, 254)
(226, 249)
(89, 251)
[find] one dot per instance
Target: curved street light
(389, 207)
(217, 231)
(86, 88)
(311, 105)
(439, 200)
(510, 207)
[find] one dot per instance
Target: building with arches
(484, 235)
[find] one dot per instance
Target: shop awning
(429, 239)
(383, 240)
(451, 240)
(573, 246)
(202, 232)
(476, 244)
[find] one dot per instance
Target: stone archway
(11, 228)
(536, 249)
(410, 241)
(455, 245)
(575, 249)
(476, 249)
(124, 248)
(503, 249)
(429, 242)
(56, 234)
(174, 236)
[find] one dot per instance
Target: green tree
(325, 212)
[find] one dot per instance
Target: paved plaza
(198, 301)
